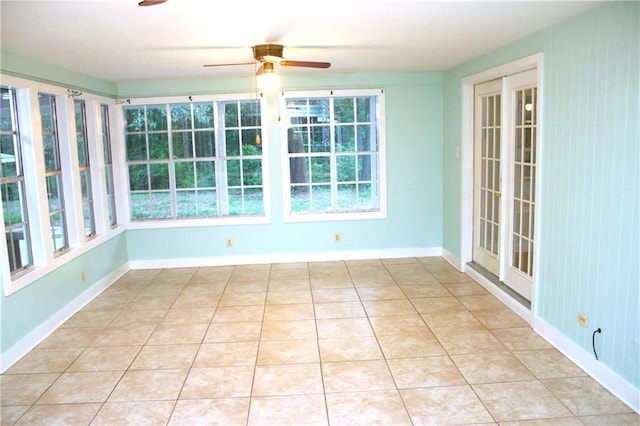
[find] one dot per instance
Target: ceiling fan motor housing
(268, 52)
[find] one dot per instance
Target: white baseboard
(594, 368)
(30, 341)
(284, 258)
(453, 260)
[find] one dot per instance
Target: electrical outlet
(82, 276)
(337, 237)
(229, 242)
(582, 319)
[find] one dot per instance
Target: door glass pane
(490, 173)
(524, 179)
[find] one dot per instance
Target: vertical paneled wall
(588, 220)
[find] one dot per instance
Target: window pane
(319, 110)
(250, 145)
(343, 108)
(366, 163)
(252, 172)
(187, 203)
(81, 134)
(232, 142)
(58, 232)
(138, 177)
(320, 139)
(184, 175)
(156, 118)
(181, 116)
(300, 199)
(136, 147)
(203, 115)
(206, 174)
(54, 195)
(12, 203)
(299, 169)
(250, 114)
(346, 168)
(231, 114)
(151, 205)
(367, 140)
(85, 185)
(18, 247)
(158, 146)
(159, 176)
(233, 173)
(205, 143)
(8, 156)
(321, 197)
(254, 201)
(366, 107)
(207, 203)
(182, 145)
(135, 119)
(320, 169)
(347, 197)
(298, 140)
(345, 138)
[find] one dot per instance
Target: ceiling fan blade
(151, 2)
(228, 65)
(306, 64)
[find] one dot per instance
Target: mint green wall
(30, 307)
(414, 179)
(21, 66)
(588, 215)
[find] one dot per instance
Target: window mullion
(333, 162)
(171, 165)
(70, 171)
(220, 161)
(96, 163)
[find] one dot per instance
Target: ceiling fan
(150, 2)
(270, 54)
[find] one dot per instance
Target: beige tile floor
(391, 342)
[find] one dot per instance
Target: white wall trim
(284, 258)
(509, 301)
(620, 388)
(453, 260)
(467, 101)
(31, 340)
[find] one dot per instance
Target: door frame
(467, 174)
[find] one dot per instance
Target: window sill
(198, 223)
(331, 217)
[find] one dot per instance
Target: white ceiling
(117, 40)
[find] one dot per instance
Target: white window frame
(125, 211)
(17, 121)
(44, 260)
(381, 213)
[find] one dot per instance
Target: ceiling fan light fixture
(267, 79)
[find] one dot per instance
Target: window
(53, 172)
(195, 160)
(108, 165)
(84, 167)
(335, 152)
(12, 185)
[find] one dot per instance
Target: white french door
(505, 155)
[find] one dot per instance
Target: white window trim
(119, 151)
(381, 213)
(44, 260)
